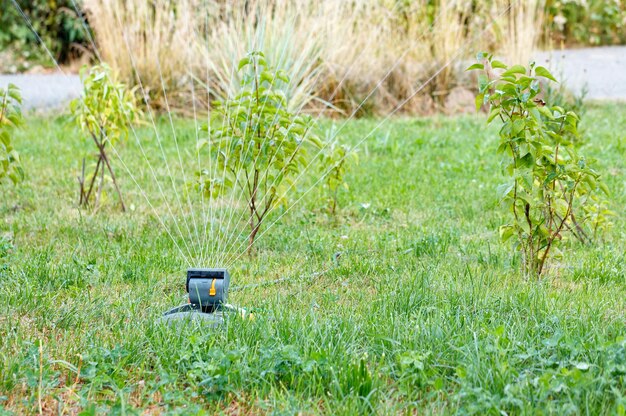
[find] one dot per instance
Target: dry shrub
(357, 57)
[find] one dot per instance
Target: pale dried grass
(336, 52)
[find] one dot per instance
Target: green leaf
(15, 94)
(504, 190)
(515, 69)
(562, 207)
(5, 138)
(543, 72)
(506, 232)
(498, 64)
(495, 112)
(282, 75)
(518, 125)
(475, 66)
(526, 161)
(483, 83)
(604, 188)
(545, 111)
(479, 101)
(202, 144)
(245, 61)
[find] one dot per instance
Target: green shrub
(335, 160)
(10, 118)
(260, 145)
(104, 112)
(551, 187)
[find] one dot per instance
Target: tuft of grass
(417, 309)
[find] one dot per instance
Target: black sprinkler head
(207, 288)
(208, 291)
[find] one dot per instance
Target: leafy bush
(551, 187)
(10, 118)
(104, 112)
(260, 146)
(56, 22)
(335, 160)
(561, 96)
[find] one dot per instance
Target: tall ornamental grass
(336, 52)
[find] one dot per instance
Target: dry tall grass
(521, 29)
(335, 51)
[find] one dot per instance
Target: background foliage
(342, 63)
(582, 22)
(56, 22)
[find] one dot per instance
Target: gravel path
(602, 70)
(46, 91)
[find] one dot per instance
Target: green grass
(423, 311)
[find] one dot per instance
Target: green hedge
(56, 21)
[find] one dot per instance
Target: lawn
(403, 302)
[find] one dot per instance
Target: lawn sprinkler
(208, 290)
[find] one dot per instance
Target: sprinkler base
(192, 314)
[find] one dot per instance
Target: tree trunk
(100, 188)
(103, 157)
(81, 182)
(254, 230)
(119, 193)
(93, 181)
